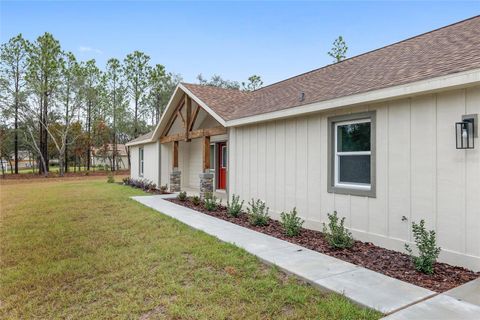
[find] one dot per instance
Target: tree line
(57, 107)
(54, 106)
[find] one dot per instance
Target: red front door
(222, 165)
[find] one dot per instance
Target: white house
(384, 138)
(103, 156)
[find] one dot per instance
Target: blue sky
(276, 40)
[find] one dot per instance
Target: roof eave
(451, 81)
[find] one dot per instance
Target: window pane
(212, 156)
(224, 157)
(353, 137)
(354, 169)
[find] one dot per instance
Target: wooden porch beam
(175, 155)
(206, 153)
(173, 118)
(194, 118)
(195, 134)
(188, 115)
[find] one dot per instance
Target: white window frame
(338, 154)
(141, 161)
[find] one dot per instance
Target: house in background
(103, 157)
(385, 138)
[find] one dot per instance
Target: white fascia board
(203, 105)
(168, 107)
(466, 78)
(136, 143)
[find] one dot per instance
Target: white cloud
(89, 49)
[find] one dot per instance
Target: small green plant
(234, 208)
(163, 189)
(110, 178)
(257, 213)
(337, 236)
(426, 244)
(291, 223)
(195, 200)
(210, 202)
(182, 196)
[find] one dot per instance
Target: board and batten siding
(419, 173)
(151, 163)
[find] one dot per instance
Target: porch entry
(191, 130)
(222, 165)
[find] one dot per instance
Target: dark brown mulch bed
(391, 263)
(152, 191)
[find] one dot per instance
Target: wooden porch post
(188, 111)
(206, 153)
(175, 154)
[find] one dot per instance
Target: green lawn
(81, 249)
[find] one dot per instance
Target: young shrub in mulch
(195, 200)
(234, 208)
(151, 187)
(210, 202)
(182, 196)
(163, 189)
(337, 236)
(426, 244)
(291, 223)
(257, 213)
(110, 178)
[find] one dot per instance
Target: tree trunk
(114, 149)
(89, 121)
(3, 167)
(45, 133)
(17, 89)
(61, 165)
(67, 123)
(11, 164)
(135, 130)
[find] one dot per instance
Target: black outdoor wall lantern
(466, 131)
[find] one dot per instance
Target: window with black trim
(351, 160)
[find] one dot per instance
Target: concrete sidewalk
(462, 302)
(363, 286)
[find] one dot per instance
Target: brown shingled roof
(146, 136)
(451, 49)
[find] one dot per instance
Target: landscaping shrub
(195, 200)
(163, 189)
(234, 208)
(210, 202)
(426, 244)
(182, 196)
(151, 186)
(291, 223)
(258, 213)
(337, 236)
(126, 181)
(110, 178)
